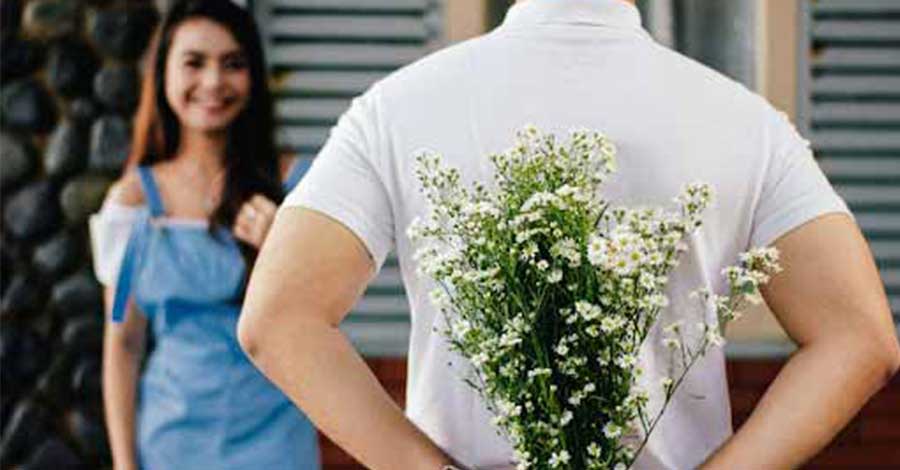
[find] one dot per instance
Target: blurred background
(70, 72)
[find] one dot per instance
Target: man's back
(562, 65)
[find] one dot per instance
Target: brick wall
(392, 375)
(870, 441)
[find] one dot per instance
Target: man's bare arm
(309, 274)
(831, 301)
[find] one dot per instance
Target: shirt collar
(610, 13)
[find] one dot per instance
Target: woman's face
(207, 76)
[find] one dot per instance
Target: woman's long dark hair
(251, 159)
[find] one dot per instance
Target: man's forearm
(814, 396)
(317, 367)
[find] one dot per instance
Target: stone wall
(70, 83)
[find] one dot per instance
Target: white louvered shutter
(322, 53)
(850, 106)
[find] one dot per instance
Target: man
(560, 64)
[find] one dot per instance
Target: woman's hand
(254, 220)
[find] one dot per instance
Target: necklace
(212, 197)
(209, 196)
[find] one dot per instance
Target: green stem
(549, 396)
(669, 394)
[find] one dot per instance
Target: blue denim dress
(202, 404)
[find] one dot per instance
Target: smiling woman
(174, 244)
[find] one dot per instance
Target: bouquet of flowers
(550, 291)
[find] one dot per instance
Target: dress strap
(127, 269)
(300, 167)
(151, 191)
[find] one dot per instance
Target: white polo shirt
(560, 64)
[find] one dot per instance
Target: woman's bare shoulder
(127, 191)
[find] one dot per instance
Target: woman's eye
(235, 64)
(194, 64)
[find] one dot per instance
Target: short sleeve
(110, 230)
(794, 189)
(345, 183)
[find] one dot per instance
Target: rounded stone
(6, 266)
(17, 161)
(83, 334)
(19, 57)
(83, 196)
(14, 250)
(84, 110)
(110, 144)
(77, 295)
(53, 453)
(58, 255)
(67, 150)
(116, 87)
(51, 18)
(24, 354)
(27, 106)
(27, 428)
(86, 383)
(53, 385)
(69, 63)
(87, 431)
(24, 296)
(32, 212)
(123, 32)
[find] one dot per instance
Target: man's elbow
(876, 352)
(892, 357)
(883, 352)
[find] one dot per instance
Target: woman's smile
(212, 105)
